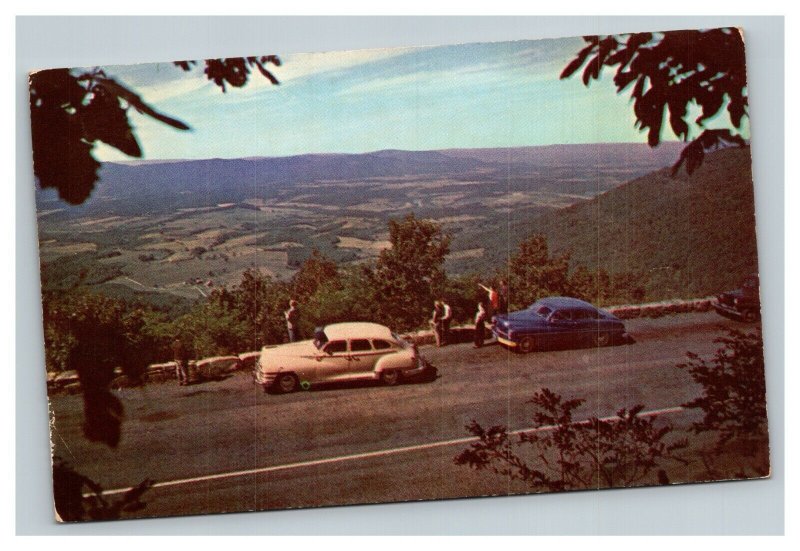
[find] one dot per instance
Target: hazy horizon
(133, 161)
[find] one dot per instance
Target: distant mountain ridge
(224, 180)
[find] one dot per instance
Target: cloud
(189, 84)
(297, 66)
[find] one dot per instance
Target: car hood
(527, 317)
(292, 349)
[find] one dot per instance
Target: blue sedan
(557, 322)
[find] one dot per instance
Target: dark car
(743, 304)
(557, 322)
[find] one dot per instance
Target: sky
(501, 94)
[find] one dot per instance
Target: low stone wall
(219, 366)
(464, 333)
(658, 309)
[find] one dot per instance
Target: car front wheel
(390, 377)
(602, 339)
(286, 383)
(527, 344)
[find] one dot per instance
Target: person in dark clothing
(292, 316)
(181, 357)
(502, 293)
(480, 325)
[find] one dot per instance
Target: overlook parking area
(225, 445)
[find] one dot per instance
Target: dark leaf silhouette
(61, 157)
(106, 120)
(234, 70)
(70, 113)
(693, 154)
(115, 89)
(672, 70)
(78, 497)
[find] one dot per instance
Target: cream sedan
(339, 352)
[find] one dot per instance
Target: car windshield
(320, 338)
(543, 311)
(401, 341)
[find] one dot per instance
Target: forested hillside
(687, 235)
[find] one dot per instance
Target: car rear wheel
(602, 339)
(750, 316)
(286, 383)
(390, 377)
(527, 344)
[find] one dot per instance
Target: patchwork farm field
(177, 230)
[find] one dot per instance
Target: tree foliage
(734, 401)
(572, 455)
(316, 271)
(670, 71)
(408, 275)
(93, 335)
(71, 112)
(533, 273)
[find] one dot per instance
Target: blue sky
(474, 95)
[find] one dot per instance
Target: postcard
(489, 269)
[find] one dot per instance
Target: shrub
(617, 452)
(733, 401)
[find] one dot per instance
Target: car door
(362, 357)
(333, 361)
(560, 328)
(585, 325)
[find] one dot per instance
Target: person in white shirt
(447, 317)
(480, 325)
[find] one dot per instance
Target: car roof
(357, 330)
(565, 302)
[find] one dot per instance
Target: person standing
(502, 297)
(181, 358)
(447, 317)
(493, 300)
(292, 316)
(480, 325)
(436, 322)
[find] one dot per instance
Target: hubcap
(287, 383)
(390, 377)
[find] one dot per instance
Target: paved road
(176, 433)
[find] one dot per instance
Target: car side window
(360, 345)
(381, 345)
(336, 347)
(584, 315)
(560, 315)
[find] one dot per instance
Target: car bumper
(727, 311)
(422, 365)
(510, 344)
(265, 379)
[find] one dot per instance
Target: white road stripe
(365, 455)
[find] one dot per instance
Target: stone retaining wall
(219, 366)
(463, 333)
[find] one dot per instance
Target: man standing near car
(447, 317)
(292, 316)
(480, 325)
(181, 358)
